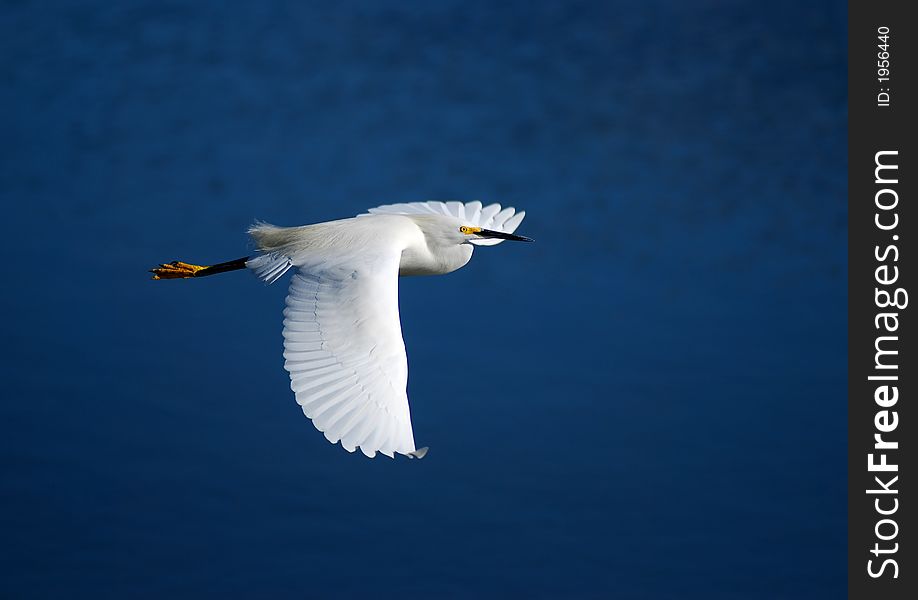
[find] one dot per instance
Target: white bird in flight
(342, 336)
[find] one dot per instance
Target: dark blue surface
(659, 410)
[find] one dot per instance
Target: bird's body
(343, 345)
(414, 236)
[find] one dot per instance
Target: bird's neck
(421, 260)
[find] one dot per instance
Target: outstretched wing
(487, 217)
(345, 354)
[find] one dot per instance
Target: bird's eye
(464, 229)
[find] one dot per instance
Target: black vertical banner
(882, 366)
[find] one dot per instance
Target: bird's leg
(182, 270)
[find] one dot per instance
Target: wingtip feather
(419, 453)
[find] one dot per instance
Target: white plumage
(343, 343)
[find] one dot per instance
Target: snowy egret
(343, 342)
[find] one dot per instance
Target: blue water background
(649, 402)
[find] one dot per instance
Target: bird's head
(447, 243)
(441, 231)
(451, 232)
(470, 234)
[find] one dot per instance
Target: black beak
(487, 233)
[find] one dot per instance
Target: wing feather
(513, 222)
(487, 215)
(473, 211)
(501, 217)
(344, 351)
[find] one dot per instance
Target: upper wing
(488, 217)
(345, 355)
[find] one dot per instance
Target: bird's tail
(274, 242)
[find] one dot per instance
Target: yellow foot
(175, 270)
